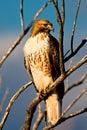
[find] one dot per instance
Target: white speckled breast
(37, 49)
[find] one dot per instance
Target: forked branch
(76, 50)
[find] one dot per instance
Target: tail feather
(54, 108)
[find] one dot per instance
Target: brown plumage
(41, 56)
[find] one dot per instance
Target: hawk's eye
(45, 24)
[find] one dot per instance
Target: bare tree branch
(74, 25)
(76, 113)
(15, 96)
(62, 119)
(16, 43)
(58, 16)
(18, 40)
(0, 82)
(79, 64)
(76, 50)
(30, 111)
(4, 100)
(61, 54)
(59, 20)
(56, 2)
(76, 84)
(63, 11)
(67, 80)
(74, 101)
(21, 15)
(39, 118)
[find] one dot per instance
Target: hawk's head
(41, 26)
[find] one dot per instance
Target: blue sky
(13, 72)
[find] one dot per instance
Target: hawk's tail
(53, 108)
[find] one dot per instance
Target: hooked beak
(51, 28)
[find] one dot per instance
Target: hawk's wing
(27, 66)
(55, 64)
(54, 101)
(54, 57)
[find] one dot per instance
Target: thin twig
(56, 2)
(77, 83)
(76, 113)
(66, 53)
(58, 16)
(0, 82)
(30, 112)
(15, 96)
(64, 118)
(79, 64)
(21, 15)
(4, 100)
(63, 11)
(67, 80)
(18, 40)
(74, 25)
(76, 50)
(61, 33)
(16, 43)
(39, 118)
(74, 101)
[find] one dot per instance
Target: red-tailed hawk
(41, 56)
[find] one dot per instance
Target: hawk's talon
(43, 93)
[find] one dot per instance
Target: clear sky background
(13, 72)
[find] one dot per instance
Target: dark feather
(54, 61)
